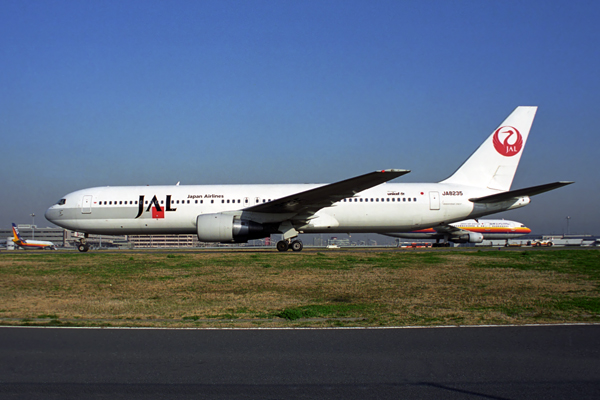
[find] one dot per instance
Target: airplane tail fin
(16, 234)
(494, 164)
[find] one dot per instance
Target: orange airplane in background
(471, 230)
(30, 244)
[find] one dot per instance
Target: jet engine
(470, 237)
(226, 228)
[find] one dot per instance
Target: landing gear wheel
(297, 245)
(83, 248)
(282, 245)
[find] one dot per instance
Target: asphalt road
(550, 362)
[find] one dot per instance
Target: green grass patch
(584, 262)
(341, 288)
(587, 304)
(321, 311)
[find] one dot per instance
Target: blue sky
(114, 93)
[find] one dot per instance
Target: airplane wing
(515, 194)
(435, 232)
(313, 200)
(448, 229)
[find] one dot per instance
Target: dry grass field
(312, 288)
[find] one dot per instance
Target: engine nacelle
(226, 228)
(471, 237)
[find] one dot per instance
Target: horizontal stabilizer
(515, 194)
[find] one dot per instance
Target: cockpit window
(62, 202)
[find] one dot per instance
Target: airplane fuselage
(34, 244)
(493, 229)
(174, 209)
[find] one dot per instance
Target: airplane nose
(51, 214)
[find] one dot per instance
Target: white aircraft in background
(462, 232)
(30, 244)
(363, 204)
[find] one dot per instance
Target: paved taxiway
(560, 362)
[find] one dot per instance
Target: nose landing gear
(83, 245)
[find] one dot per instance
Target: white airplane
(363, 204)
(461, 232)
(30, 244)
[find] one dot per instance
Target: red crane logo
(508, 141)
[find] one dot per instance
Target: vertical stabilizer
(494, 163)
(16, 234)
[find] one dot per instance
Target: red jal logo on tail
(508, 141)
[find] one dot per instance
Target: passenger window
(212, 202)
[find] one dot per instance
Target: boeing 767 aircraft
(363, 204)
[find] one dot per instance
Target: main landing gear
(437, 243)
(83, 245)
(284, 245)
